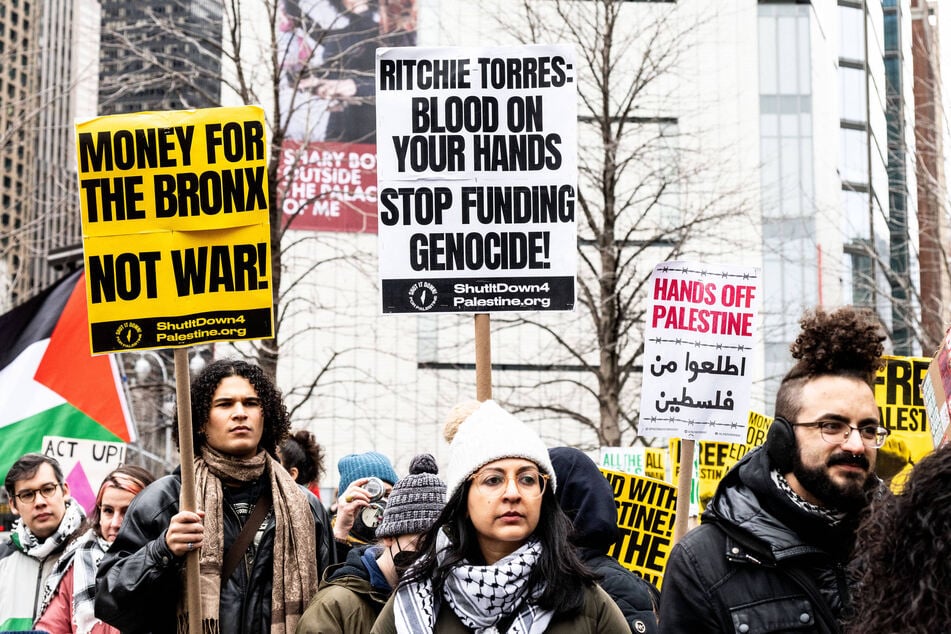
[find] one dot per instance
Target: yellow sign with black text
(176, 231)
(714, 459)
(645, 517)
(902, 407)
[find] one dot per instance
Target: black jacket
(138, 580)
(587, 498)
(757, 563)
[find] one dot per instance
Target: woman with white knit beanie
(498, 557)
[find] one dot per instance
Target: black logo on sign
(128, 334)
(422, 296)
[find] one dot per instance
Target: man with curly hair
(772, 551)
(238, 421)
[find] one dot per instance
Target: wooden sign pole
(684, 479)
(187, 502)
(483, 353)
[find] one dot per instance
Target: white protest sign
(477, 178)
(936, 391)
(85, 464)
(625, 459)
(698, 342)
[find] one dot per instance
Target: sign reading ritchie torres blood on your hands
(477, 176)
(176, 233)
(701, 328)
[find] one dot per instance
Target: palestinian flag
(49, 383)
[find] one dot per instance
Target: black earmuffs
(781, 444)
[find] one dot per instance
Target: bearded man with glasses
(774, 543)
(48, 520)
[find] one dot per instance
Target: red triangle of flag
(88, 383)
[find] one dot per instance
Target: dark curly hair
(846, 342)
(277, 423)
(558, 559)
(903, 559)
(302, 451)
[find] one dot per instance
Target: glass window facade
(787, 182)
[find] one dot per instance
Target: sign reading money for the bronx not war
(698, 343)
(176, 235)
(477, 178)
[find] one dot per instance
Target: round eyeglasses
(837, 432)
(493, 483)
(28, 496)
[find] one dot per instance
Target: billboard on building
(327, 173)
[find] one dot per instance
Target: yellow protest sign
(714, 459)
(902, 407)
(176, 231)
(645, 512)
(655, 463)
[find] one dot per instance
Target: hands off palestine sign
(176, 232)
(477, 176)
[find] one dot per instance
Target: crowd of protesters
(800, 536)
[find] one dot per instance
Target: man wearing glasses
(772, 550)
(48, 519)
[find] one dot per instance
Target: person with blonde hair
(498, 557)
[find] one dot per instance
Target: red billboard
(327, 178)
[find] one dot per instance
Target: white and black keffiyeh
(84, 555)
(480, 596)
(26, 542)
(831, 515)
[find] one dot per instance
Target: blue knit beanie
(365, 465)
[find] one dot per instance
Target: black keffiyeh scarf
(481, 596)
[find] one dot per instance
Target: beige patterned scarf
(295, 553)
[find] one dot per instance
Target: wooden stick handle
(187, 502)
(483, 350)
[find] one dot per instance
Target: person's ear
(13, 506)
(293, 471)
(65, 489)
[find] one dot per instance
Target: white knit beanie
(480, 433)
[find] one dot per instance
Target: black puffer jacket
(587, 498)
(138, 580)
(757, 563)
